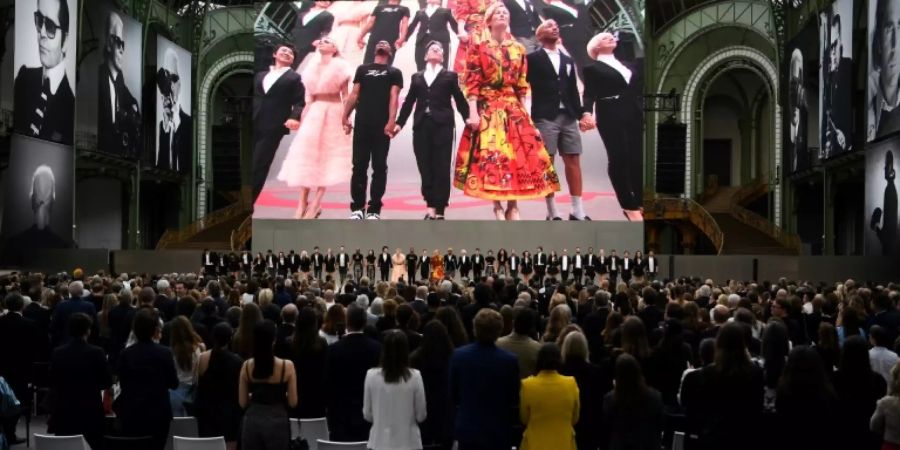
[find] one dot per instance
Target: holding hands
(587, 122)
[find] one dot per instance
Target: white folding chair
(45, 442)
(311, 429)
(678, 441)
(186, 443)
(331, 445)
(182, 427)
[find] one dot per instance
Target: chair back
(310, 429)
(331, 445)
(128, 443)
(46, 442)
(182, 427)
(186, 443)
(678, 441)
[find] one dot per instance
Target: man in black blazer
(590, 265)
(433, 124)
(18, 352)
(540, 262)
(450, 264)
(836, 93)
(118, 113)
(278, 100)
(44, 101)
(384, 264)
(343, 264)
(311, 26)
(425, 265)
(209, 261)
(433, 21)
(412, 262)
(346, 364)
(613, 266)
(78, 372)
(557, 112)
(524, 19)
(465, 264)
(318, 261)
(477, 264)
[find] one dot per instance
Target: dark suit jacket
(122, 137)
(18, 350)
(181, 146)
(549, 88)
(435, 98)
(59, 116)
(304, 36)
(146, 373)
(41, 317)
(78, 372)
(522, 23)
(838, 96)
(346, 364)
(283, 101)
(575, 32)
(59, 322)
(484, 387)
(433, 28)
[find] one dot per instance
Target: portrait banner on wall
(883, 93)
(881, 197)
(45, 59)
(37, 211)
(111, 74)
(174, 125)
(426, 161)
(836, 79)
(799, 85)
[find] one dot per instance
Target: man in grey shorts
(557, 112)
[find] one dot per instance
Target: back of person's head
(213, 289)
(436, 344)
(854, 362)
(146, 297)
(265, 297)
(145, 325)
(549, 357)
(720, 314)
(708, 351)
(879, 336)
(80, 325)
(185, 306)
(731, 358)
(575, 347)
(487, 326)
(263, 356)
(405, 315)
(233, 316)
(76, 289)
(14, 302)
(356, 318)
(221, 335)
(483, 294)
(395, 357)
(634, 338)
(629, 391)
(362, 300)
(804, 374)
(524, 321)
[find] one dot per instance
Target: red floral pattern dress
(505, 159)
(470, 14)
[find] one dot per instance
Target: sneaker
(373, 216)
(357, 215)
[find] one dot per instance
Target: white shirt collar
(311, 15)
(55, 75)
(430, 9)
(611, 61)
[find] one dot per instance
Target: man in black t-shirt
(387, 23)
(376, 87)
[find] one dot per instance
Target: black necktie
(40, 109)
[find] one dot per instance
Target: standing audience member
(633, 412)
(549, 404)
(432, 359)
(242, 343)
(187, 346)
(218, 411)
(484, 387)
(394, 398)
(886, 419)
(346, 365)
(268, 387)
(520, 341)
(858, 388)
(308, 354)
(78, 373)
(882, 359)
(146, 373)
(806, 401)
(593, 384)
(18, 352)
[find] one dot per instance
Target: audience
(216, 403)
(633, 412)
(432, 360)
(186, 345)
(520, 341)
(307, 351)
(593, 382)
(885, 422)
(549, 404)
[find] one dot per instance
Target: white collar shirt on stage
(273, 76)
(611, 61)
(431, 72)
(311, 15)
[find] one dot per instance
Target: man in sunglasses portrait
(837, 78)
(173, 148)
(44, 99)
(118, 113)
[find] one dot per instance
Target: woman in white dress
(320, 155)
(348, 20)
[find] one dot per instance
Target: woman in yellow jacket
(549, 404)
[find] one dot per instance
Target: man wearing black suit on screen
(431, 90)
(837, 77)
(524, 18)
(311, 26)
(433, 22)
(118, 113)
(278, 100)
(44, 102)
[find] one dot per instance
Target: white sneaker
(373, 216)
(357, 215)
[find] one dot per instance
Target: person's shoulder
(28, 73)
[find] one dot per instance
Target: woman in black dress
(370, 265)
(640, 265)
(259, 264)
(216, 406)
(527, 266)
(553, 265)
(308, 355)
(502, 261)
(432, 359)
(489, 260)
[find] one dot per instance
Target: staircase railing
(671, 208)
(751, 191)
(786, 239)
(171, 236)
(242, 234)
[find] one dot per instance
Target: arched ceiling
(660, 13)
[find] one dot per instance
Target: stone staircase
(740, 236)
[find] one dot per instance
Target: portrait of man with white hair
(42, 195)
(797, 111)
(174, 143)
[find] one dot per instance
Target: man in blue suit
(484, 388)
(75, 304)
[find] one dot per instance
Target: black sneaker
(572, 217)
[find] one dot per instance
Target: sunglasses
(117, 42)
(42, 21)
(173, 77)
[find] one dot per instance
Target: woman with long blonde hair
(186, 347)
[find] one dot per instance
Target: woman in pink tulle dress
(348, 19)
(320, 154)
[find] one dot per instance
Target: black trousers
(264, 148)
(369, 144)
(623, 149)
(433, 147)
(385, 273)
(422, 47)
(370, 273)
(410, 274)
(342, 271)
(357, 272)
(578, 274)
(317, 272)
(369, 56)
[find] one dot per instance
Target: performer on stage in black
(590, 265)
(450, 264)
(411, 265)
(246, 262)
(278, 100)
(343, 264)
(370, 265)
(311, 26)
(652, 265)
(317, 262)
(357, 265)
(433, 127)
(477, 264)
(540, 264)
(577, 261)
(210, 262)
(614, 265)
(388, 23)
(524, 18)
(424, 265)
(515, 264)
(435, 24)
(384, 264)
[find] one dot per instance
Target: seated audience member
(593, 384)
(858, 388)
(268, 387)
(885, 421)
(346, 364)
(520, 341)
(78, 373)
(307, 350)
(432, 359)
(633, 412)
(394, 398)
(146, 372)
(484, 387)
(549, 404)
(217, 408)
(805, 401)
